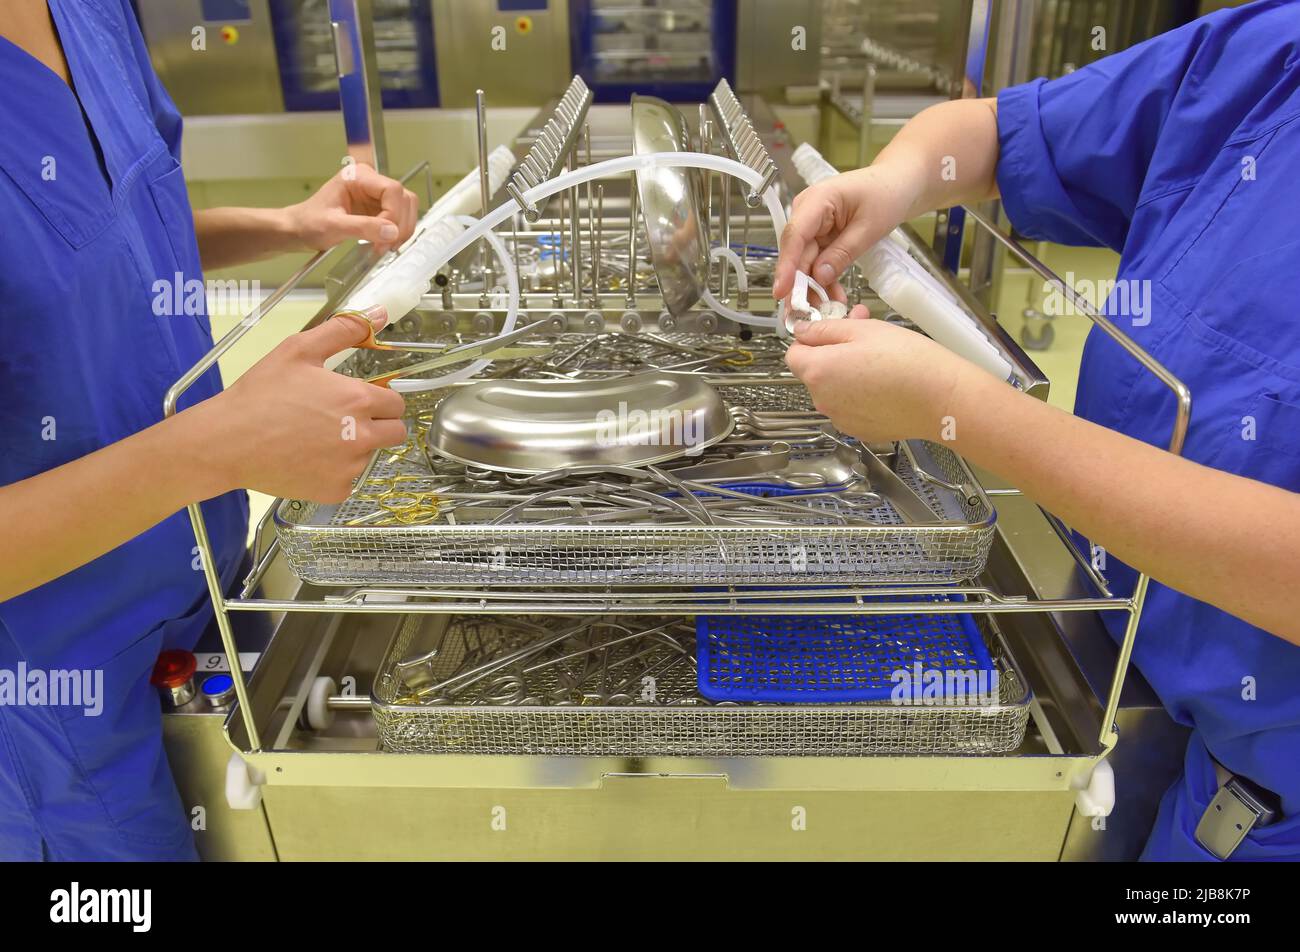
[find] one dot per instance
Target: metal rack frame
(979, 599)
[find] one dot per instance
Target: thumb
(837, 257)
(834, 331)
(374, 229)
(343, 330)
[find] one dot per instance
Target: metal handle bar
(1183, 415)
(210, 571)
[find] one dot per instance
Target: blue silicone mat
(819, 659)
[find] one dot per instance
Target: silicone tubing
(737, 266)
(742, 282)
(905, 285)
(463, 197)
(418, 384)
(399, 280)
(811, 165)
(620, 166)
(426, 259)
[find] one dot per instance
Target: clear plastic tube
(402, 283)
(742, 282)
(417, 384)
(737, 266)
(620, 166)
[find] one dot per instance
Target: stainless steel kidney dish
(670, 204)
(537, 426)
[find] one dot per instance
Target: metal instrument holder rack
(384, 600)
(554, 142)
(742, 141)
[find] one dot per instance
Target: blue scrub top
(93, 213)
(1183, 155)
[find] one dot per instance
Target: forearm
(61, 519)
(1143, 505)
(946, 155)
(231, 236)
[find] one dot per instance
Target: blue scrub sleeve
(1076, 152)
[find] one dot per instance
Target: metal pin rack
(742, 141)
(431, 571)
(556, 139)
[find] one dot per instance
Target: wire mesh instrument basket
(419, 519)
(627, 686)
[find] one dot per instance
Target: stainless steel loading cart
(333, 774)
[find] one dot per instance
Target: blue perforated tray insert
(819, 659)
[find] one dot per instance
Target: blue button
(217, 684)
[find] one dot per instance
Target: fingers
(386, 433)
(407, 228)
(859, 312)
(338, 333)
(397, 205)
(791, 244)
(797, 358)
(821, 333)
(380, 232)
(856, 237)
(385, 404)
(813, 216)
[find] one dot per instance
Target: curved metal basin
(535, 426)
(670, 205)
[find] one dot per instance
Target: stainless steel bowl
(670, 205)
(535, 426)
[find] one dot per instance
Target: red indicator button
(174, 668)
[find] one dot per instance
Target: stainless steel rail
(170, 401)
(210, 571)
(1182, 420)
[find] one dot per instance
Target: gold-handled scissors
(455, 355)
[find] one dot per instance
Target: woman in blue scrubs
(98, 564)
(1183, 155)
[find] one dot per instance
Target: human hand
(295, 429)
(881, 382)
(833, 222)
(358, 202)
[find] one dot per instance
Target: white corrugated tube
(905, 285)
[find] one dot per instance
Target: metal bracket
(353, 27)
